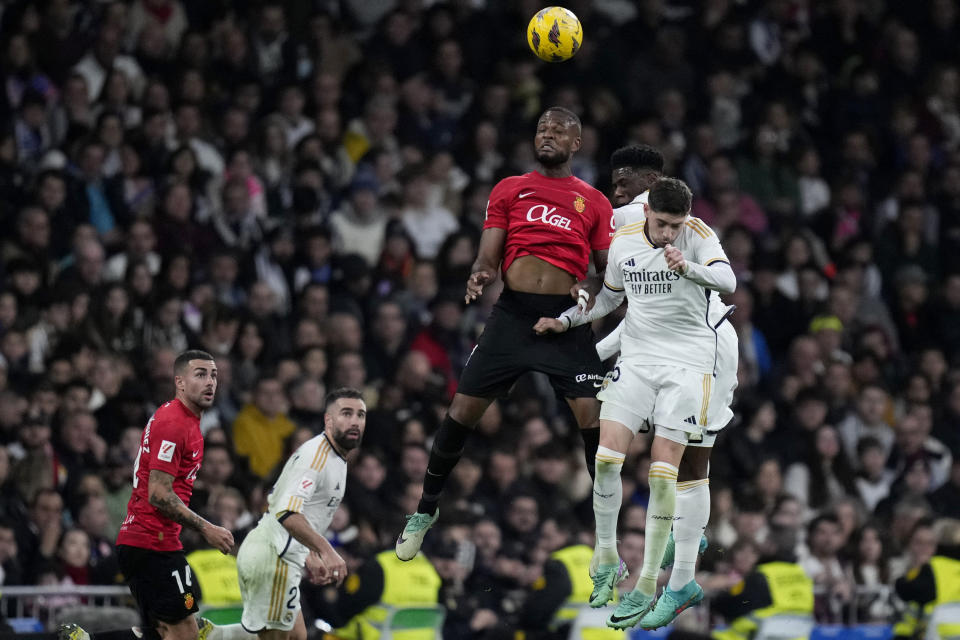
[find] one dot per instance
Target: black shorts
(509, 348)
(161, 582)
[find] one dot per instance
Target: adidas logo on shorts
(691, 420)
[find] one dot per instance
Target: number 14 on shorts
(187, 578)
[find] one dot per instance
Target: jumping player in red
(540, 231)
(148, 545)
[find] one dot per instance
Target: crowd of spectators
(298, 188)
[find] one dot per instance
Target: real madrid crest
(579, 204)
(606, 380)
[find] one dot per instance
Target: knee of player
(468, 410)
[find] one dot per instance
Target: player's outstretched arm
(487, 264)
(605, 302)
(165, 500)
(334, 569)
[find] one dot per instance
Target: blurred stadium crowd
(298, 188)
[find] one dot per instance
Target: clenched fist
(674, 258)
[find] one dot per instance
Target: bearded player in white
(289, 537)
(667, 265)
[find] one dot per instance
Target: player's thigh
(572, 363)
(666, 448)
(686, 450)
(487, 375)
(500, 357)
(162, 583)
(695, 464)
(586, 411)
(615, 431)
(632, 388)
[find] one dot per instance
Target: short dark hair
(565, 113)
(866, 443)
(669, 195)
(342, 392)
(816, 522)
(637, 156)
(184, 359)
(923, 523)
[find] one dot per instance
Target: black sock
(591, 440)
(446, 452)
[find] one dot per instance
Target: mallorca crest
(188, 600)
(579, 204)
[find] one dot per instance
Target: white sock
(693, 513)
(607, 498)
(229, 632)
(660, 512)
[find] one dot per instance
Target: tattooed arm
(169, 504)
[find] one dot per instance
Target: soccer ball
(554, 34)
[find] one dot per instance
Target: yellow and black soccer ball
(554, 34)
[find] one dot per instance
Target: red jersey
(171, 442)
(558, 220)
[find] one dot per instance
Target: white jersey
(633, 212)
(665, 309)
(312, 482)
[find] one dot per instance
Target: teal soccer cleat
(632, 607)
(607, 577)
(670, 604)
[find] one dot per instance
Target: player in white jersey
(666, 265)
(289, 536)
(634, 170)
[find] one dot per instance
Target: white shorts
(670, 397)
(269, 584)
(719, 413)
